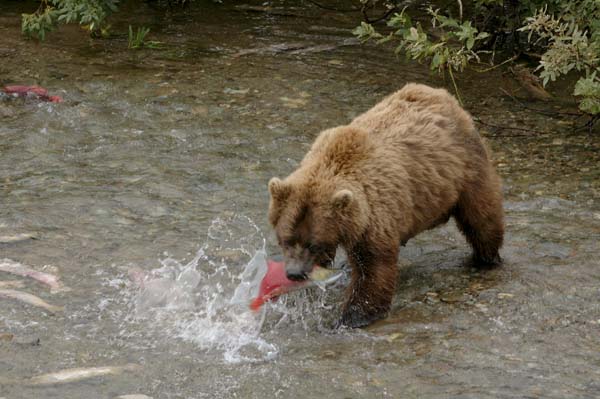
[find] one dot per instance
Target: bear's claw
(355, 317)
(481, 262)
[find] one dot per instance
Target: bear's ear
(342, 199)
(278, 189)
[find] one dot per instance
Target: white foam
(206, 301)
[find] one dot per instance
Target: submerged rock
(553, 250)
(6, 337)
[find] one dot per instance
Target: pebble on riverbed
(6, 337)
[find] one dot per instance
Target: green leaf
(401, 20)
(365, 32)
(470, 43)
(591, 106)
(437, 61)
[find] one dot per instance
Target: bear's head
(311, 217)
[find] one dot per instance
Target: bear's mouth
(324, 259)
(298, 269)
(325, 265)
(300, 260)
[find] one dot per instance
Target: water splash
(206, 300)
(224, 322)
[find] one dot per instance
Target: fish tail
(257, 303)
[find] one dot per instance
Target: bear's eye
(313, 248)
(290, 242)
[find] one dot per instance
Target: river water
(157, 162)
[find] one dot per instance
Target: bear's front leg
(369, 296)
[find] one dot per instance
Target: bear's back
(416, 111)
(339, 150)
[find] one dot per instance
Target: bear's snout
(296, 275)
(296, 269)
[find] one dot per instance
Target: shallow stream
(158, 161)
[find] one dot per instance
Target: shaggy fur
(405, 166)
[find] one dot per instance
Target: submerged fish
(31, 91)
(138, 276)
(12, 239)
(78, 374)
(9, 266)
(276, 283)
(30, 299)
(11, 284)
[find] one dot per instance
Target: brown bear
(405, 166)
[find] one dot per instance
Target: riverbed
(158, 160)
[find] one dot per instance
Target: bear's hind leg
(369, 296)
(480, 216)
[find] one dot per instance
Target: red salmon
(23, 91)
(275, 283)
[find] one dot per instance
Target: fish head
(274, 283)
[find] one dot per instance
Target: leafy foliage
(566, 32)
(589, 89)
(138, 39)
(452, 49)
(571, 43)
(40, 22)
(88, 13)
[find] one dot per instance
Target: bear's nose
(296, 275)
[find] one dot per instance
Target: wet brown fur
(405, 166)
